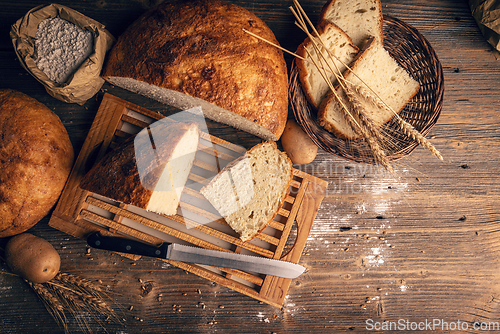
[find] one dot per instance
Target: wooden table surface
(421, 245)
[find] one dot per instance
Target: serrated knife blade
(197, 255)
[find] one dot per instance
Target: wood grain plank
(456, 276)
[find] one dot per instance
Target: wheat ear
(358, 94)
(47, 296)
(378, 153)
(366, 121)
(51, 302)
(408, 129)
(85, 297)
(411, 132)
(77, 282)
(368, 130)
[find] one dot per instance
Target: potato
(32, 257)
(297, 144)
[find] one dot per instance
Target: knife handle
(124, 245)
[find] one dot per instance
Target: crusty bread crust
(117, 176)
(36, 157)
(199, 48)
(326, 123)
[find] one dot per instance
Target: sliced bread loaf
(359, 19)
(148, 170)
(189, 53)
(381, 73)
(340, 45)
(249, 191)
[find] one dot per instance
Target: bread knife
(198, 255)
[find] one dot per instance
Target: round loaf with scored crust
(36, 157)
(199, 48)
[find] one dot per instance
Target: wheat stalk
(301, 17)
(363, 126)
(72, 300)
(303, 22)
(366, 121)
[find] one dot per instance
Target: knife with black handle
(183, 253)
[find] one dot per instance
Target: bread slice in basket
(249, 191)
(340, 46)
(359, 19)
(148, 170)
(381, 81)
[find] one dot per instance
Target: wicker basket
(414, 53)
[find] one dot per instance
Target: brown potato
(32, 257)
(297, 144)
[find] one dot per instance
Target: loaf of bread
(390, 83)
(199, 48)
(339, 45)
(36, 157)
(359, 19)
(249, 191)
(148, 170)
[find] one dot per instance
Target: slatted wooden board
(79, 212)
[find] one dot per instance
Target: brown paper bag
(487, 15)
(85, 82)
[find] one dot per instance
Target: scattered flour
(61, 47)
(262, 317)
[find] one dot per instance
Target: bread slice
(190, 53)
(148, 170)
(381, 73)
(249, 191)
(340, 45)
(359, 19)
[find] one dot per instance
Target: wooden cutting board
(80, 212)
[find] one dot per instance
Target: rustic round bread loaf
(36, 156)
(199, 48)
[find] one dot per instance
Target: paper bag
(86, 81)
(487, 15)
